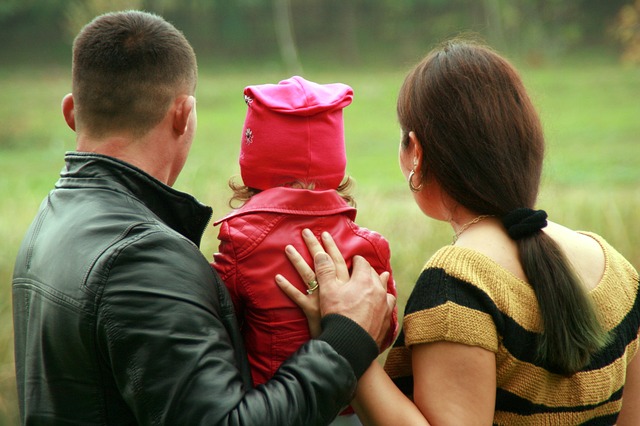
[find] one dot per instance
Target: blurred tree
(596, 17)
(238, 28)
(26, 25)
(346, 31)
(345, 14)
(330, 27)
(493, 17)
(627, 30)
(9, 8)
(80, 12)
(285, 36)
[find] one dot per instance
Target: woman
(520, 320)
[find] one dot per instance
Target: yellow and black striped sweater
(463, 296)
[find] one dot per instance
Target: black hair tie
(524, 222)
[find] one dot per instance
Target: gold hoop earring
(411, 186)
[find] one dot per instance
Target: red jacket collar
(294, 201)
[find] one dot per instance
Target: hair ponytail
(572, 331)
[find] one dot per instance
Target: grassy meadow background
(590, 108)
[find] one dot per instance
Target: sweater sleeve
(442, 307)
(446, 307)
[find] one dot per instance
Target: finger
(325, 271)
(391, 302)
(313, 245)
(299, 298)
(384, 278)
(298, 262)
(360, 266)
(390, 328)
(342, 272)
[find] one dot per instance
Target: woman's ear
(68, 111)
(415, 148)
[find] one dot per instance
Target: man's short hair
(127, 68)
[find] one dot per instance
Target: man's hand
(362, 297)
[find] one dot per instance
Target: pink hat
(294, 132)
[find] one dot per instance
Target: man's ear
(68, 111)
(184, 108)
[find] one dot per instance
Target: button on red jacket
(251, 253)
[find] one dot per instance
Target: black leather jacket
(119, 318)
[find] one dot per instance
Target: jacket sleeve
(376, 250)
(385, 265)
(224, 261)
(166, 333)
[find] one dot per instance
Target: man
(118, 317)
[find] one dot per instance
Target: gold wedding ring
(313, 286)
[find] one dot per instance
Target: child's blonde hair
(243, 193)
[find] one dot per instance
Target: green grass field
(590, 111)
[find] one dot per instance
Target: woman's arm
(454, 384)
(379, 402)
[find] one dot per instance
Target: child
(292, 163)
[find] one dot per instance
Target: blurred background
(580, 60)
(293, 33)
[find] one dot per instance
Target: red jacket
(252, 242)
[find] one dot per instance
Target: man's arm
(165, 330)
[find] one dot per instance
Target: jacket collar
(179, 210)
(301, 202)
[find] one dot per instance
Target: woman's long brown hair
(483, 142)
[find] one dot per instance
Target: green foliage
(346, 31)
(589, 108)
(79, 13)
(627, 30)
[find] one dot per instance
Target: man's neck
(133, 151)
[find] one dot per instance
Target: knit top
(465, 297)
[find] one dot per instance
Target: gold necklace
(467, 225)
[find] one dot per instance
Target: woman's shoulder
(494, 248)
(588, 253)
(479, 266)
(468, 277)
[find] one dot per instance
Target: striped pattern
(463, 296)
